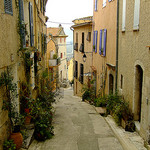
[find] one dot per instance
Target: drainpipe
(117, 41)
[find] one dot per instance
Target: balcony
(54, 62)
(76, 46)
(82, 48)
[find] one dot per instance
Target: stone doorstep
(101, 110)
(124, 136)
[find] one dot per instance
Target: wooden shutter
(8, 6)
(105, 38)
(31, 24)
(45, 44)
(21, 16)
(136, 15)
(100, 42)
(123, 15)
(93, 40)
(96, 33)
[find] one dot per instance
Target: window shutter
(93, 40)
(45, 44)
(41, 5)
(123, 15)
(96, 42)
(105, 38)
(8, 6)
(136, 15)
(31, 24)
(21, 15)
(95, 5)
(100, 42)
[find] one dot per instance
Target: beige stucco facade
(104, 20)
(59, 38)
(10, 55)
(133, 69)
(82, 29)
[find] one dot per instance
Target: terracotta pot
(27, 119)
(18, 139)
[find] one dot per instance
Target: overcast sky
(64, 11)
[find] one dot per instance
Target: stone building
(22, 31)
(104, 45)
(59, 37)
(52, 60)
(133, 60)
(82, 31)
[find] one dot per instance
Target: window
(61, 55)
(76, 44)
(104, 3)
(95, 41)
(8, 7)
(82, 44)
(109, 0)
(102, 42)
(64, 40)
(136, 15)
(121, 82)
(81, 73)
(60, 40)
(64, 54)
(76, 70)
(31, 24)
(22, 25)
(88, 36)
(41, 5)
(123, 15)
(96, 5)
(51, 74)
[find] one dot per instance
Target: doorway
(138, 92)
(111, 84)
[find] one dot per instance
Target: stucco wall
(132, 52)
(105, 18)
(78, 56)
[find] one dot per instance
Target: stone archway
(138, 92)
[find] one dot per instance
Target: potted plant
(9, 145)
(10, 105)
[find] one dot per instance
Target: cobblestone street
(77, 126)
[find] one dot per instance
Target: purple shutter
(93, 40)
(96, 42)
(105, 37)
(100, 42)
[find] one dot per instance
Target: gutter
(117, 41)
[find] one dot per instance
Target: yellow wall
(70, 70)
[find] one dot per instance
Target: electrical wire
(60, 22)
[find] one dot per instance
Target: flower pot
(27, 119)
(18, 139)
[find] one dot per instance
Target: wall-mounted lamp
(84, 56)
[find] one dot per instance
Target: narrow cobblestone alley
(77, 126)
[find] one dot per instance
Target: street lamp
(84, 56)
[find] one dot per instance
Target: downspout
(117, 41)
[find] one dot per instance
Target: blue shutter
(95, 5)
(100, 42)
(93, 40)
(105, 38)
(96, 42)
(31, 24)
(21, 16)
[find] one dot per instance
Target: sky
(64, 11)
